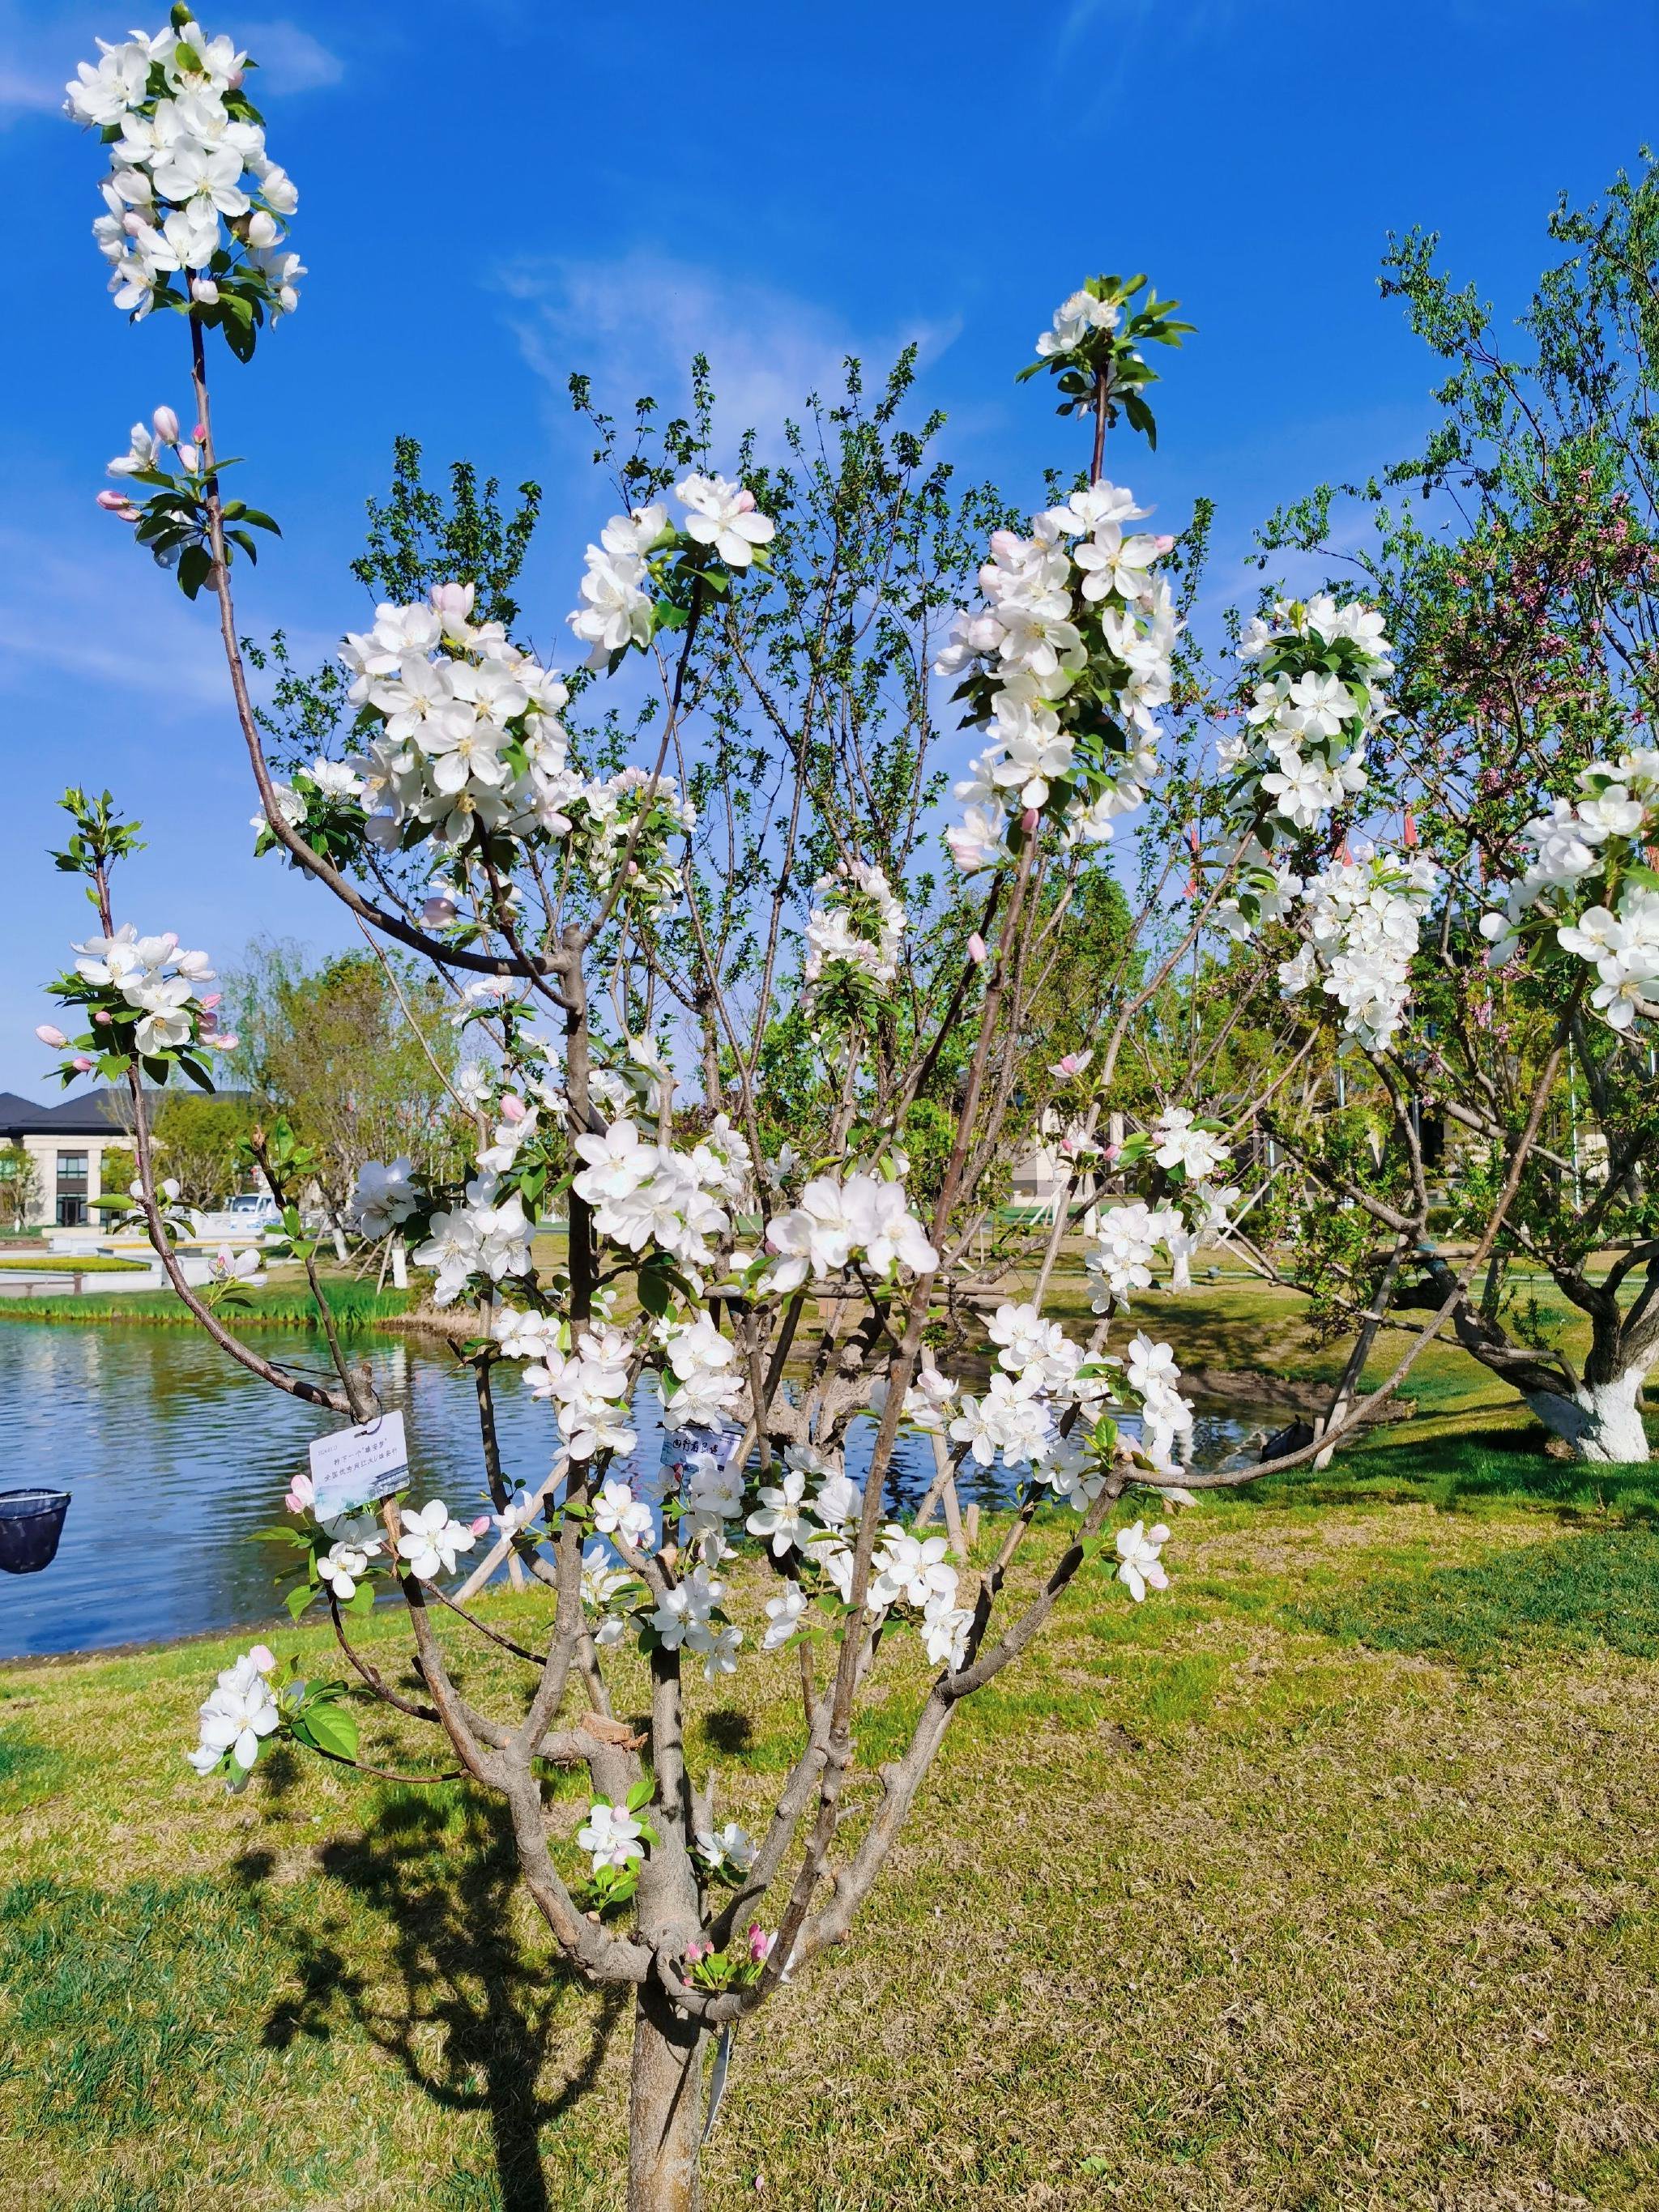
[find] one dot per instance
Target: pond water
(175, 1458)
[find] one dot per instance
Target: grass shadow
(1479, 1468)
(437, 1868)
(1601, 1589)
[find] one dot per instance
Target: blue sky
(492, 195)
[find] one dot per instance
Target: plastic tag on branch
(694, 1450)
(355, 1466)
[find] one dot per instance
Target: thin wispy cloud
(40, 48)
(290, 59)
(634, 323)
(103, 616)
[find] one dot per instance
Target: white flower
(612, 1835)
(237, 1714)
(720, 1656)
(910, 1570)
(1138, 1564)
(723, 516)
(1180, 1144)
(783, 1616)
(383, 1198)
(342, 1566)
(617, 1512)
(429, 1541)
(729, 1848)
(783, 1518)
(1074, 318)
(944, 1630)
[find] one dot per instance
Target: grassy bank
(1325, 1880)
(284, 1303)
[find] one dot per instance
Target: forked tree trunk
(665, 2109)
(1599, 1415)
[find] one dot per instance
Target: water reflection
(175, 1458)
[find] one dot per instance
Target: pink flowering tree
(659, 977)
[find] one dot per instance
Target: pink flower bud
(976, 948)
(116, 503)
(1028, 820)
(81, 1064)
(165, 424)
(437, 913)
(101, 1018)
(199, 433)
(513, 1107)
(745, 502)
(480, 1524)
(211, 1001)
(189, 456)
(1164, 543)
(263, 1657)
(48, 1034)
(760, 1943)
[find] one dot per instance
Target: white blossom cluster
(1362, 917)
(1077, 595)
(487, 1234)
(619, 592)
(1588, 880)
(1040, 1376)
(237, 1715)
(588, 1386)
(153, 976)
(1074, 320)
(700, 1385)
(864, 1218)
(382, 1199)
(192, 192)
(643, 1193)
(1320, 698)
(853, 932)
(470, 737)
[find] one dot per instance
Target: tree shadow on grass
(1475, 1469)
(472, 2017)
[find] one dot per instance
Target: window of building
(71, 1190)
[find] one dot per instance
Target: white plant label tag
(355, 1466)
(684, 1449)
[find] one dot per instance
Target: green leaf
(640, 1794)
(298, 1600)
(195, 567)
(330, 1726)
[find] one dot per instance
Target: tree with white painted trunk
(663, 978)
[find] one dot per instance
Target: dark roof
(98, 1112)
(93, 1113)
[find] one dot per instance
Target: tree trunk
(665, 2109)
(1601, 1421)
(1601, 1417)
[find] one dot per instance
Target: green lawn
(1325, 1880)
(283, 1302)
